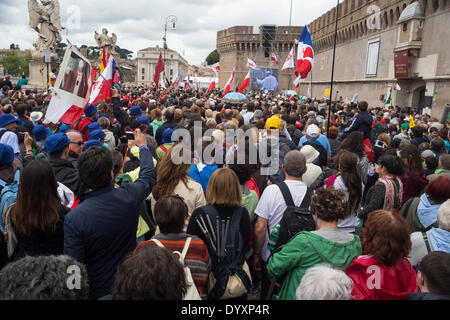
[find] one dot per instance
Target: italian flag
(245, 83)
(389, 97)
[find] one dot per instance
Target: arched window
(391, 18)
(385, 20)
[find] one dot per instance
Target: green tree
(213, 57)
(124, 53)
(15, 64)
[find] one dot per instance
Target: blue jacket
(201, 173)
(101, 231)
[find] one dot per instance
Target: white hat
(386, 114)
(313, 131)
(36, 116)
(310, 153)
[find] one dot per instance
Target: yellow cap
(273, 123)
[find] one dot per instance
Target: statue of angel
(104, 41)
(48, 17)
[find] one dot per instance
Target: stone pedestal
(37, 79)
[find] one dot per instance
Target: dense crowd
(352, 204)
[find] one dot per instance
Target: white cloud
(140, 23)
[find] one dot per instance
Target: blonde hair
(385, 137)
(104, 122)
(224, 189)
(211, 124)
(208, 113)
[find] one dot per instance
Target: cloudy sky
(140, 23)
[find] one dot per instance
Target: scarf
(390, 194)
(440, 240)
(427, 212)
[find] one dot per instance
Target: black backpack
(226, 251)
(295, 219)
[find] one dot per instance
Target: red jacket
(373, 280)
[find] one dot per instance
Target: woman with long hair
(224, 198)
(349, 181)
(173, 179)
(387, 192)
(354, 142)
(414, 179)
(37, 216)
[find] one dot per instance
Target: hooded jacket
(362, 122)
(420, 213)
(306, 250)
(373, 280)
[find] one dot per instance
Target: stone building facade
(238, 43)
(370, 34)
(147, 59)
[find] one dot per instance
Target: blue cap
(6, 155)
(63, 128)
(135, 111)
(143, 120)
(56, 142)
(97, 134)
(90, 110)
(93, 126)
(7, 119)
(167, 136)
(40, 132)
(92, 143)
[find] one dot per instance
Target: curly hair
(329, 204)
(150, 273)
(44, 278)
(386, 236)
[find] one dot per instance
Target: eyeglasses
(78, 143)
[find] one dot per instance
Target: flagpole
(332, 67)
(290, 15)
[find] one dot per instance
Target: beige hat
(310, 153)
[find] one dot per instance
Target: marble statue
(105, 41)
(46, 20)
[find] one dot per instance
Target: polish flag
(274, 58)
(245, 83)
(297, 82)
(290, 60)
(305, 54)
(228, 85)
(215, 67)
(176, 81)
(251, 63)
(212, 85)
(101, 89)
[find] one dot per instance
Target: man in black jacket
(101, 231)
(57, 147)
(362, 122)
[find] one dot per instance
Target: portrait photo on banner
(264, 79)
(76, 76)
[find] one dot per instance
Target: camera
(379, 144)
(129, 135)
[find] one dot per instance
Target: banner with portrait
(264, 79)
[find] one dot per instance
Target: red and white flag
(290, 60)
(245, 83)
(305, 54)
(297, 82)
(274, 58)
(226, 89)
(176, 81)
(215, 67)
(69, 98)
(251, 63)
(101, 89)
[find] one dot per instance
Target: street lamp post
(173, 19)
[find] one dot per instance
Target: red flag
(245, 83)
(228, 85)
(212, 85)
(274, 58)
(158, 70)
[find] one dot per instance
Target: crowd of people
(358, 206)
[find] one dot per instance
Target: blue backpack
(8, 196)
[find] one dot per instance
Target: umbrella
(235, 98)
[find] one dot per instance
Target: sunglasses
(78, 143)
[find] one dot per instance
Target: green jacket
(155, 125)
(306, 250)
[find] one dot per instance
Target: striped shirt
(197, 257)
